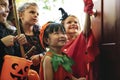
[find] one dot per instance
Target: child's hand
(21, 39)
(88, 6)
(8, 40)
(36, 59)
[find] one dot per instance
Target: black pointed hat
(64, 14)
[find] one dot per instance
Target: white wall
(74, 7)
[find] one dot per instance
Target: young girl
(81, 46)
(28, 14)
(55, 65)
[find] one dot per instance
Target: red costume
(83, 51)
(60, 73)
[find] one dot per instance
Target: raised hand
(88, 6)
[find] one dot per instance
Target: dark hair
(52, 27)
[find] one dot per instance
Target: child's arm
(88, 9)
(47, 68)
(87, 24)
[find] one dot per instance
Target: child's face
(30, 15)
(4, 10)
(71, 25)
(57, 39)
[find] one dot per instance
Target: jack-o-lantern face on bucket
(15, 68)
(20, 72)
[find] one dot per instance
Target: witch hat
(64, 14)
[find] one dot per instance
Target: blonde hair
(70, 16)
(26, 6)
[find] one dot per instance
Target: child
(28, 14)
(8, 41)
(55, 65)
(9, 49)
(81, 45)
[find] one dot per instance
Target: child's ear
(20, 14)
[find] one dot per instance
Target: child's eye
(38, 14)
(76, 22)
(63, 32)
(3, 5)
(32, 12)
(69, 22)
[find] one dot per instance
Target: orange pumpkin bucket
(15, 68)
(33, 75)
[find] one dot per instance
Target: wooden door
(107, 30)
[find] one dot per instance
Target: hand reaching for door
(88, 6)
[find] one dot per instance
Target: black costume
(11, 50)
(33, 40)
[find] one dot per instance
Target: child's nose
(7, 9)
(62, 35)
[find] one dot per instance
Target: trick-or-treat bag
(15, 68)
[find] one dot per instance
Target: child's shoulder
(47, 59)
(48, 55)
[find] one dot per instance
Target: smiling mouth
(18, 77)
(4, 15)
(35, 20)
(62, 40)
